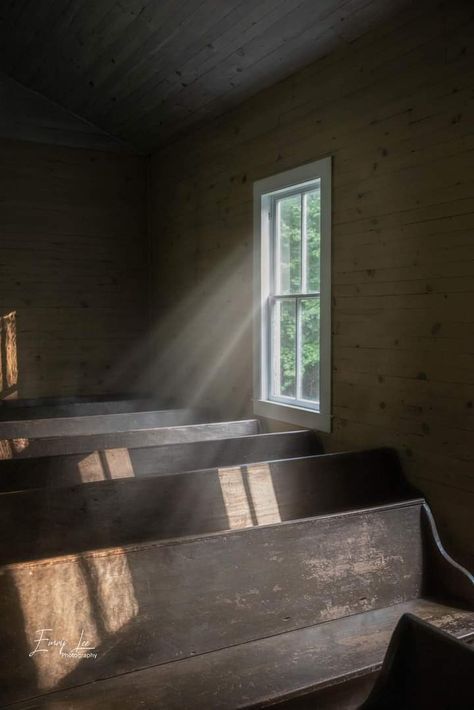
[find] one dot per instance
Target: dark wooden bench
(114, 463)
(161, 435)
(96, 424)
(44, 408)
(55, 521)
(229, 620)
(424, 669)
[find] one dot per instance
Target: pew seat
(260, 673)
(238, 619)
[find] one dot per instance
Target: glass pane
(313, 239)
(284, 349)
(288, 267)
(309, 366)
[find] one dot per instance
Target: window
(292, 286)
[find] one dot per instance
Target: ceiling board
(147, 71)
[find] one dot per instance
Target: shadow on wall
(8, 357)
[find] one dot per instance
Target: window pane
(313, 239)
(309, 366)
(284, 349)
(288, 256)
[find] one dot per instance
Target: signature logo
(45, 644)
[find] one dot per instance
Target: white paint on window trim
(262, 406)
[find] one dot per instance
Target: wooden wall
(73, 294)
(395, 109)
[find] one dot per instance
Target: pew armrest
(443, 576)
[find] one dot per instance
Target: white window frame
(263, 191)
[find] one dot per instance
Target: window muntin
(292, 280)
(294, 298)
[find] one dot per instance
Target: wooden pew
(44, 408)
(424, 668)
(230, 620)
(234, 449)
(96, 424)
(159, 436)
(54, 521)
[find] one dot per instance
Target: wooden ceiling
(146, 71)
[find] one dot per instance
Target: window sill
(292, 415)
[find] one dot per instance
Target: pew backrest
(96, 424)
(143, 605)
(161, 435)
(12, 410)
(53, 521)
(115, 463)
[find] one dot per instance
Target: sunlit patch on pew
(19, 445)
(9, 448)
(262, 492)
(105, 465)
(91, 468)
(235, 497)
(249, 495)
(71, 610)
(118, 463)
(8, 356)
(50, 613)
(114, 591)
(6, 451)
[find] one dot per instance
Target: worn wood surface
(43, 408)
(163, 435)
(69, 469)
(157, 602)
(424, 668)
(57, 521)
(251, 675)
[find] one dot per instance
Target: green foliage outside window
(291, 282)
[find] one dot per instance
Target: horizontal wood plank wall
(73, 290)
(395, 109)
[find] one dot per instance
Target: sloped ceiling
(147, 71)
(27, 115)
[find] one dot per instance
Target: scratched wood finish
(48, 522)
(164, 435)
(69, 469)
(394, 109)
(305, 662)
(254, 674)
(424, 668)
(73, 269)
(176, 599)
(43, 408)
